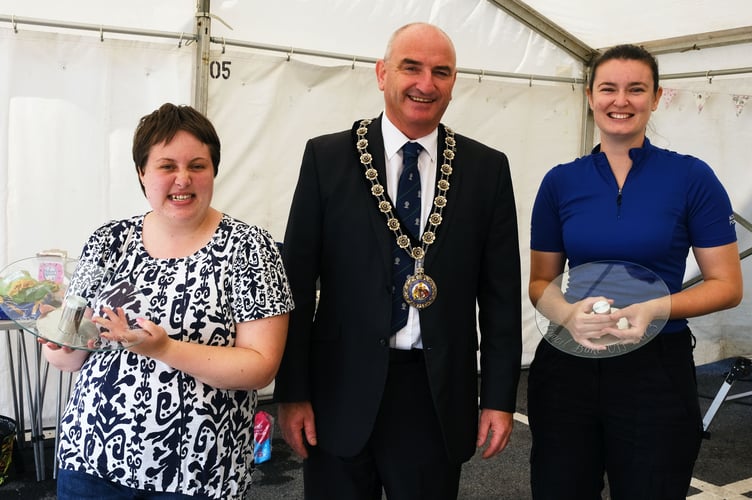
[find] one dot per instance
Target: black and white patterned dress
(134, 420)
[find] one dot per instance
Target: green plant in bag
(19, 289)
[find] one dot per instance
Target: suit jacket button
(383, 342)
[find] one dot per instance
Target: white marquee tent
(76, 76)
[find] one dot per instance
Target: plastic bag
(7, 436)
(263, 426)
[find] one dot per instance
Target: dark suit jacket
(337, 356)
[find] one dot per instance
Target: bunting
(668, 96)
(739, 102)
(700, 99)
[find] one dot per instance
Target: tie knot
(410, 151)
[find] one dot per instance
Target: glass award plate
(33, 295)
(603, 288)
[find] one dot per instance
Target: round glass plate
(33, 295)
(623, 284)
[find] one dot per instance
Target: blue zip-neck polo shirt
(669, 203)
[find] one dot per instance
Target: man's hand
(296, 421)
(494, 426)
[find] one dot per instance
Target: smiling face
(622, 99)
(178, 178)
(417, 76)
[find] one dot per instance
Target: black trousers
(405, 455)
(634, 417)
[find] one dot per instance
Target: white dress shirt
(409, 336)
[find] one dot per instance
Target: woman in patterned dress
(206, 300)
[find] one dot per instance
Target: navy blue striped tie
(407, 208)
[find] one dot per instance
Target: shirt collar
(637, 155)
(632, 152)
(394, 139)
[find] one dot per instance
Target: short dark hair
(161, 126)
(626, 52)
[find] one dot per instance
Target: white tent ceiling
(485, 35)
(595, 22)
(603, 24)
(677, 30)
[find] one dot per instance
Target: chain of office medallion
(378, 191)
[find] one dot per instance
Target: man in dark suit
(369, 398)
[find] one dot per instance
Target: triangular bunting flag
(740, 101)
(668, 96)
(700, 100)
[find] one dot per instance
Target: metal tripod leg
(742, 367)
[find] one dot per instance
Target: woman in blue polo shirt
(634, 417)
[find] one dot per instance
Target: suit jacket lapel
(452, 196)
(376, 218)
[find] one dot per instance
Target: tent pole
(588, 123)
(533, 19)
(201, 67)
(102, 29)
(372, 60)
(706, 74)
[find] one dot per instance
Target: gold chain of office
(419, 290)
